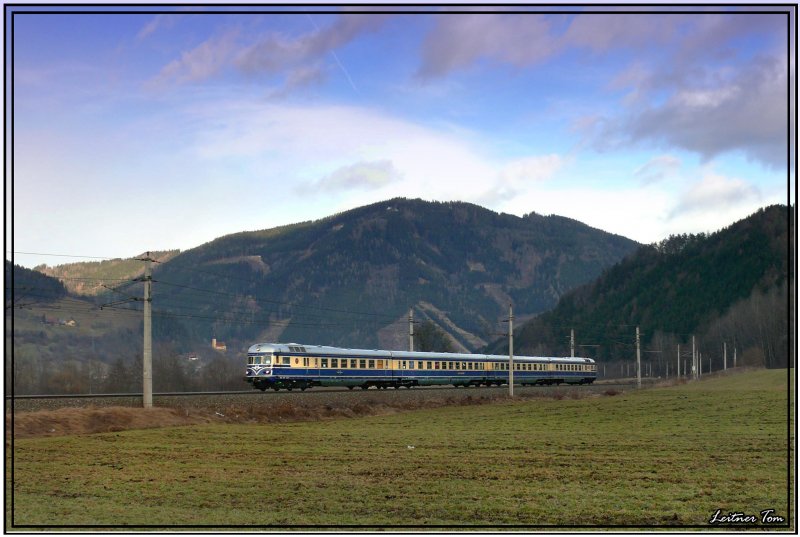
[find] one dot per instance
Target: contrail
(336, 57)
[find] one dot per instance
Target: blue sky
(162, 130)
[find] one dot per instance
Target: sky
(167, 127)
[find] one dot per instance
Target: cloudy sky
(167, 129)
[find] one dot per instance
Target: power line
(64, 255)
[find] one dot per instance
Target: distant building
(218, 346)
(58, 322)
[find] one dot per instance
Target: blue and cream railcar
(290, 366)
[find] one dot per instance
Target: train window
(458, 365)
(411, 364)
(362, 364)
(428, 365)
(372, 364)
(380, 364)
(287, 360)
(436, 365)
(324, 362)
(335, 363)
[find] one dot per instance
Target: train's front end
(260, 361)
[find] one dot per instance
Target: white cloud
(715, 193)
(159, 22)
(459, 40)
(296, 58)
(363, 155)
(361, 175)
(693, 85)
(518, 176)
(636, 213)
(746, 112)
(656, 169)
(200, 63)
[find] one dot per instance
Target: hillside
(351, 278)
(686, 285)
(87, 278)
(61, 343)
(25, 287)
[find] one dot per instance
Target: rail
(257, 392)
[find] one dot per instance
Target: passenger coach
(290, 366)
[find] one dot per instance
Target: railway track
(314, 398)
(315, 390)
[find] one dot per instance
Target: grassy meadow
(661, 456)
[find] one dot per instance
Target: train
(292, 366)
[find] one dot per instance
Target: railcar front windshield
(259, 359)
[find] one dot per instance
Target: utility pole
(147, 359)
(679, 362)
(510, 351)
(411, 330)
(734, 354)
(724, 355)
(638, 362)
(572, 343)
(694, 361)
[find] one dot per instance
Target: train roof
(400, 355)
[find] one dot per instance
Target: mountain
(685, 285)
(351, 278)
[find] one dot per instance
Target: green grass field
(656, 457)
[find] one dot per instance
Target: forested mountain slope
(685, 285)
